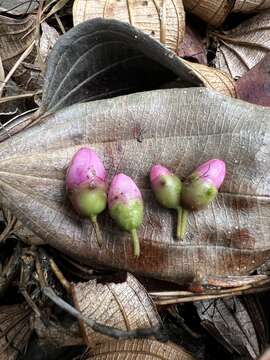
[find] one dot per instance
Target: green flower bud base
(168, 191)
(90, 203)
(197, 194)
(129, 217)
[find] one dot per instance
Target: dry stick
(209, 297)
(20, 96)
(59, 23)
(15, 66)
(60, 276)
(103, 329)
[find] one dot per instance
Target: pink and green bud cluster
(126, 206)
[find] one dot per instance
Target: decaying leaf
(229, 322)
(192, 46)
(254, 86)
(104, 58)
(163, 20)
(246, 6)
(15, 330)
(139, 350)
(244, 46)
(19, 230)
(18, 7)
(213, 78)
(47, 40)
(125, 306)
(181, 128)
(213, 12)
(16, 36)
(57, 334)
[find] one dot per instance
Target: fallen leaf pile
(140, 82)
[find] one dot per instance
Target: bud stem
(97, 230)
(183, 224)
(136, 242)
(179, 221)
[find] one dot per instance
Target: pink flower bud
(123, 189)
(86, 186)
(85, 168)
(213, 171)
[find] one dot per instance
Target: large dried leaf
(163, 20)
(125, 306)
(180, 128)
(15, 330)
(105, 58)
(244, 46)
(250, 5)
(16, 35)
(230, 323)
(18, 7)
(213, 12)
(254, 86)
(139, 350)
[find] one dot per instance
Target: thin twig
(15, 66)
(60, 276)
(194, 298)
(103, 329)
(59, 23)
(20, 96)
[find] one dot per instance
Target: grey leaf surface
(180, 128)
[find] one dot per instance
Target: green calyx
(129, 217)
(168, 191)
(196, 193)
(91, 202)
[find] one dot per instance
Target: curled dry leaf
(247, 6)
(138, 350)
(163, 20)
(230, 237)
(192, 45)
(229, 322)
(244, 46)
(15, 330)
(213, 12)
(18, 7)
(101, 58)
(254, 85)
(125, 306)
(16, 35)
(213, 78)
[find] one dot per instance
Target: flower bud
(167, 189)
(126, 206)
(86, 185)
(201, 187)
